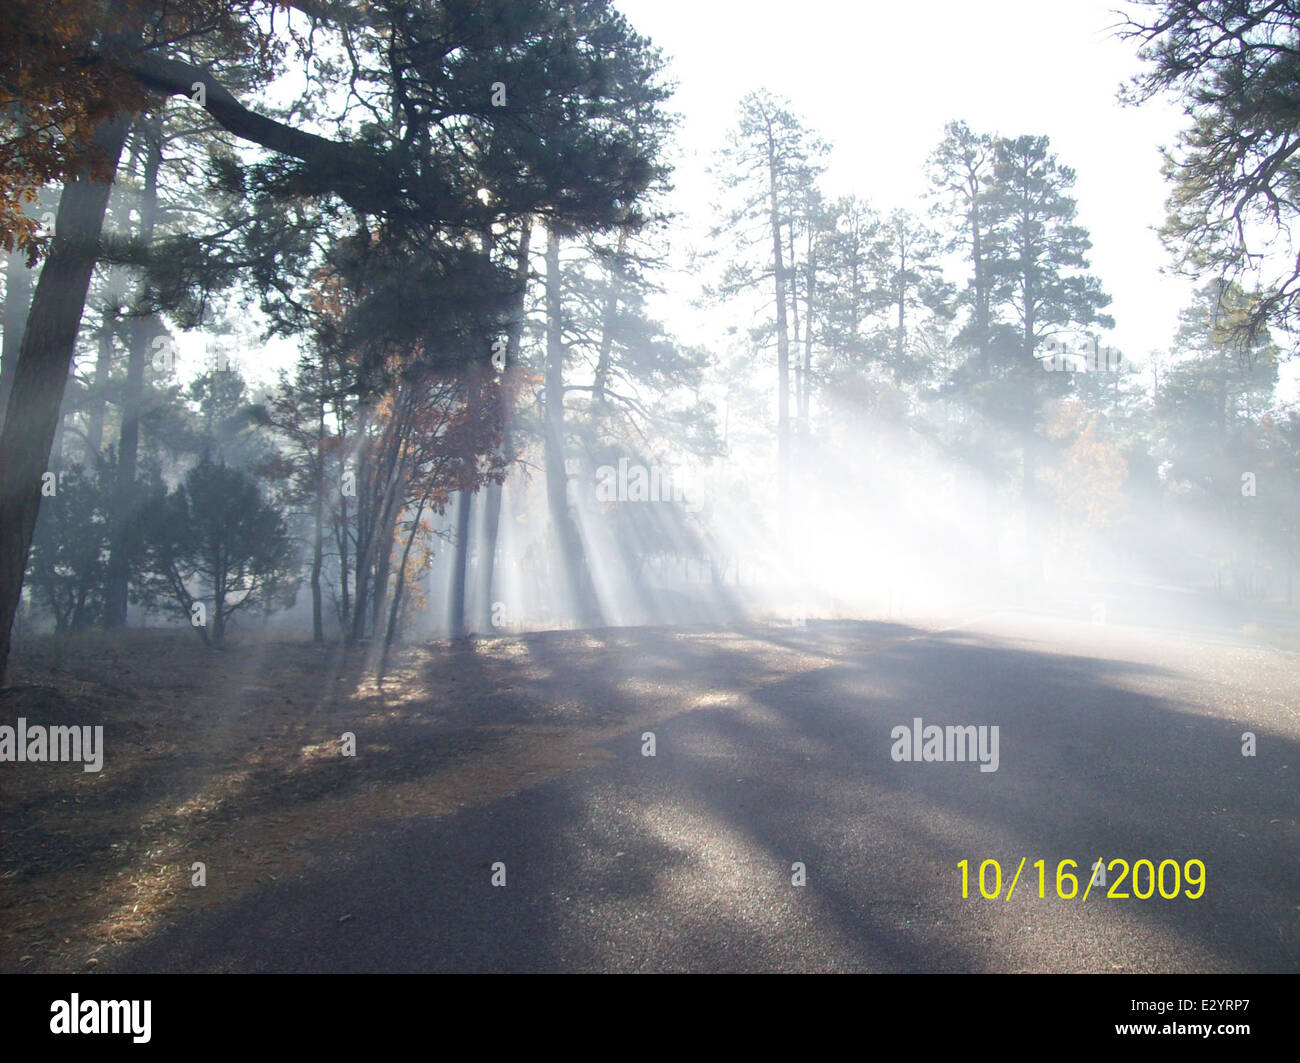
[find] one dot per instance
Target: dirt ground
(234, 758)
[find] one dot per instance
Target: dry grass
(233, 759)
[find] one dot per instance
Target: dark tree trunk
(18, 300)
(485, 573)
(118, 576)
(608, 316)
(41, 374)
(98, 400)
(900, 336)
(570, 542)
(782, 336)
(345, 590)
(400, 583)
(460, 563)
(980, 284)
(142, 332)
(492, 502)
(980, 281)
(460, 627)
(797, 340)
(365, 518)
(385, 495)
(318, 532)
(1033, 537)
(382, 551)
(805, 415)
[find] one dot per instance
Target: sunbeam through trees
(612, 485)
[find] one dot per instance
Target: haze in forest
(831, 324)
(578, 484)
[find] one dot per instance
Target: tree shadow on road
(773, 748)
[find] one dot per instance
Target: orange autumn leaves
(65, 68)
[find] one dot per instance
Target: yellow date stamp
(1169, 880)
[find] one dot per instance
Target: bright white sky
(880, 80)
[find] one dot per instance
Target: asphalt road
(1115, 741)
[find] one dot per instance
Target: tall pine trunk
(118, 576)
(492, 503)
(318, 531)
(143, 331)
(797, 427)
(18, 301)
(1033, 536)
(464, 509)
(98, 400)
(609, 315)
(570, 542)
(395, 611)
(900, 334)
(460, 563)
(41, 373)
(382, 546)
(782, 336)
(342, 539)
(460, 627)
(811, 292)
(988, 479)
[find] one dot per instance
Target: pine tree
(551, 61)
(214, 548)
(1235, 182)
(770, 163)
(1037, 256)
